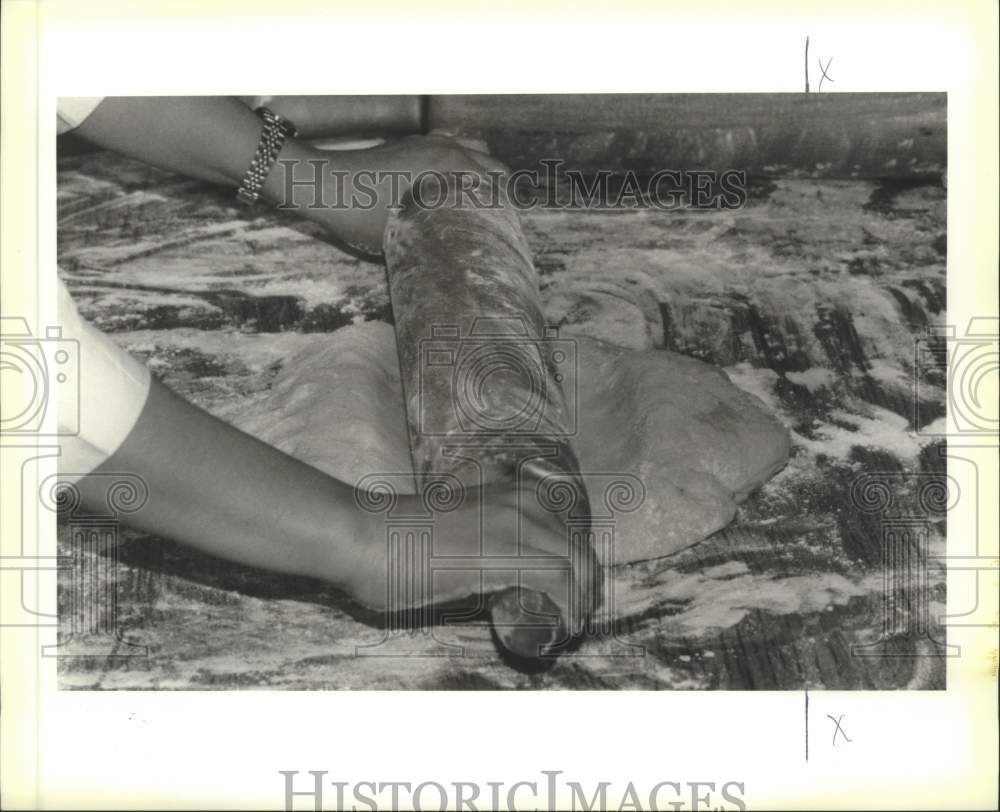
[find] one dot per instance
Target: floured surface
(695, 441)
(810, 298)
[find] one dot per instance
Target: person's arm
(226, 493)
(214, 138)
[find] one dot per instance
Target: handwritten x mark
(823, 69)
(838, 728)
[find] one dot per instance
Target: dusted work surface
(811, 297)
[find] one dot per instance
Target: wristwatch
(272, 139)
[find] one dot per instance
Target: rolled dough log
(483, 396)
(470, 336)
(698, 443)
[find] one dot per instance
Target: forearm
(214, 138)
(228, 494)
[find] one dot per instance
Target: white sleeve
(72, 111)
(100, 407)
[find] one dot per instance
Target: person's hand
(370, 181)
(494, 539)
(214, 139)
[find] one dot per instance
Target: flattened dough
(698, 443)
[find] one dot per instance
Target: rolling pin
(481, 380)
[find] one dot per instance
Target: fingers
(489, 545)
(572, 578)
(506, 572)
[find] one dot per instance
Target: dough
(698, 444)
(621, 309)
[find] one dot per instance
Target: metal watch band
(272, 139)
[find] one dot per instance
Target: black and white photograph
(670, 412)
(480, 392)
